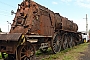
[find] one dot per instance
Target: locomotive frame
(36, 27)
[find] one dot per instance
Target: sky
(74, 10)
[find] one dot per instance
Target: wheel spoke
(24, 49)
(22, 52)
(23, 56)
(32, 53)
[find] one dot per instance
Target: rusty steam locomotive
(37, 27)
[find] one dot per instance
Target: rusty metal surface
(36, 36)
(58, 21)
(31, 17)
(12, 37)
(69, 25)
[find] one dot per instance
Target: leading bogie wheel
(26, 52)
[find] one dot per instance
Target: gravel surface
(86, 54)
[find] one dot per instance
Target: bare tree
(89, 33)
(0, 30)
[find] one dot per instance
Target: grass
(0, 56)
(68, 54)
(4, 55)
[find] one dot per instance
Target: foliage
(5, 55)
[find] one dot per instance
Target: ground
(86, 54)
(83, 55)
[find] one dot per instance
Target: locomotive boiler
(37, 27)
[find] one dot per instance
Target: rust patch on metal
(11, 37)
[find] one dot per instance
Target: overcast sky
(75, 10)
